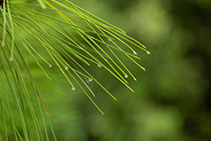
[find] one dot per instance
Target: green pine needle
(73, 41)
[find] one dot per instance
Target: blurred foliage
(171, 100)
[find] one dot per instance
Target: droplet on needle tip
(11, 59)
(134, 52)
(66, 68)
(126, 76)
(99, 66)
(73, 88)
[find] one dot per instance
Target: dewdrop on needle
(73, 88)
(126, 76)
(11, 59)
(66, 68)
(99, 66)
(90, 80)
(148, 52)
(134, 52)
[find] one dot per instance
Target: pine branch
(73, 41)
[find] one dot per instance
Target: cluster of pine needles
(55, 34)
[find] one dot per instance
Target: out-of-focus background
(172, 98)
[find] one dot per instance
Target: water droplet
(11, 59)
(50, 66)
(66, 68)
(99, 66)
(126, 76)
(148, 52)
(73, 88)
(134, 52)
(89, 80)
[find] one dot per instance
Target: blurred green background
(172, 98)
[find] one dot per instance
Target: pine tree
(54, 34)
